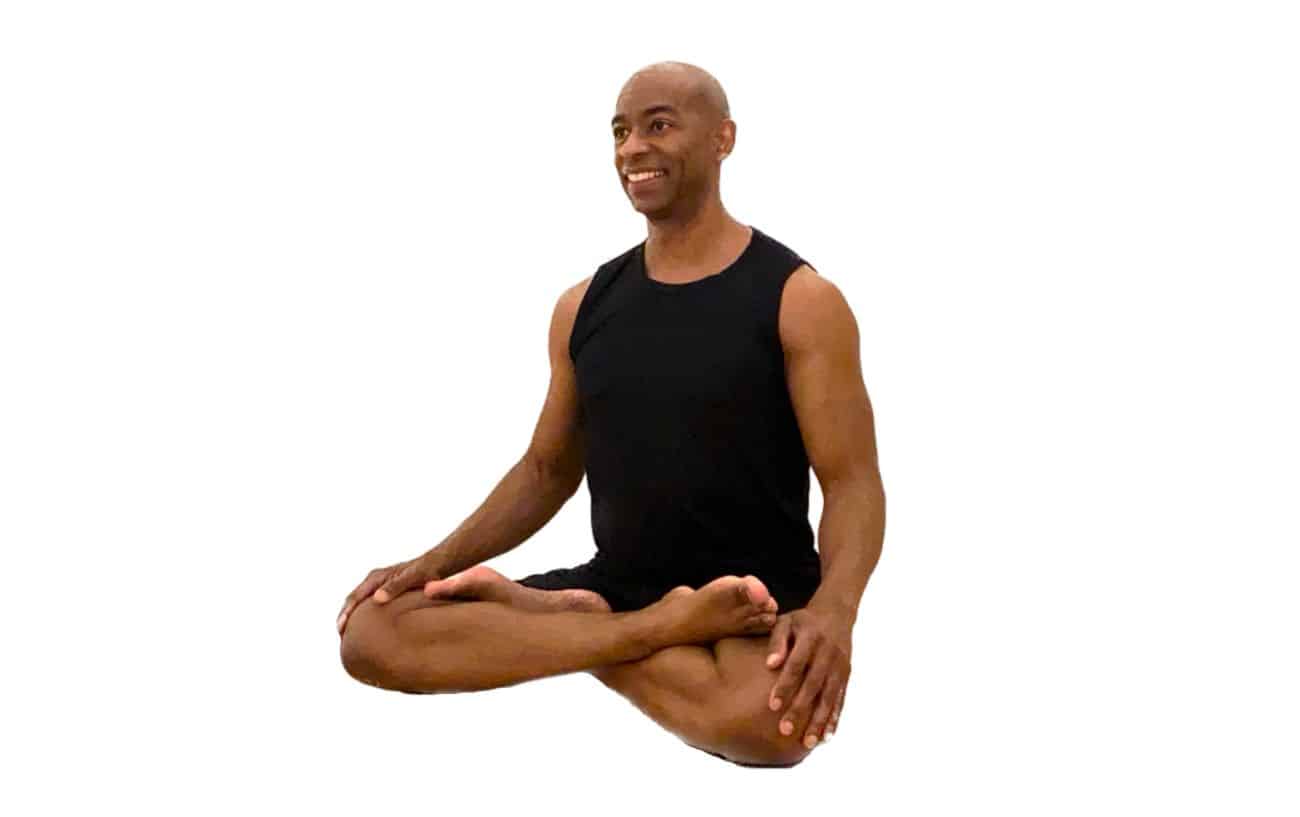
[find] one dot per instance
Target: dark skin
(674, 117)
(670, 116)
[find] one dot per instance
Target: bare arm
(819, 334)
(547, 475)
(525, 499)
(824, 371)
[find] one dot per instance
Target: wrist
(833, 606)
(435, 561)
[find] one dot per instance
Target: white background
(276, 285)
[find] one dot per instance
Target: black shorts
(623, 594)
(792, 589)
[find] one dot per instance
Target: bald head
(698, 87)
(671, 118)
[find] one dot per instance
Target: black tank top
(694, 459)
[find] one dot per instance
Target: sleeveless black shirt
(694, 460)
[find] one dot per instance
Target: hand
(816, 672)
(387, 583)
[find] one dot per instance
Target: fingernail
(829, 734)
(381, 596)
(810, 741)
(775, 704)
(771, 659)
(786, 727)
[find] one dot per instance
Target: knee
(751, 738)
(369, 649)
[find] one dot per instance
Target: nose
(631, 147)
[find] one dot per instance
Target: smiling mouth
(642, 177)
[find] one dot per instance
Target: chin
(655, 214)
(650, 209)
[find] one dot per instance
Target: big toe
(757, 594)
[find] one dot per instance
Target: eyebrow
(652, 109)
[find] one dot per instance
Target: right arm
(547, 475)
(525, 499)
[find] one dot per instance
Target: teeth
(640, 177)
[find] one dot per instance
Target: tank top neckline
(662, 286)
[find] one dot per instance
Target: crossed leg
(693, 690)
(705, 682)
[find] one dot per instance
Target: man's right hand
(387, 583)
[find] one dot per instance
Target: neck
(685, 240)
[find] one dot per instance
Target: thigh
(742, 665)
(734, 671)
(713, 699)
(382, 620)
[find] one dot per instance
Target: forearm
(525, 499)
(850, 539)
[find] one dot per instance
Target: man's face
(655, 130)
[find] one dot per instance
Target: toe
(756, 593)
(740, 589)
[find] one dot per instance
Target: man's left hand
(816, 671)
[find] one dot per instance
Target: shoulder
(814, 313)
(566, 306)
(563, 317)
(570, 300)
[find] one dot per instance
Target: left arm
(823, 371)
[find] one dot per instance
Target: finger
(349, 601)
(835, 717)
(800, 712)
(792, 675)
(399, 582)
(361, 593)
(368, 585)
(778, 642)
(830, 695)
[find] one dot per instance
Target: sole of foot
(482, 583)
(726, 606)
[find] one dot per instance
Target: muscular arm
(556, 447)
(820, 337)
(545, 477)
(525, 499)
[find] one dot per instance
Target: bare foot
(679, 591)
(483, 583)
(727, 606)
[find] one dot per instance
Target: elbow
(861, 485)
(560, 478)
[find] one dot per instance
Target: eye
(658, 121)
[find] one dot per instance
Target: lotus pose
(694, 379)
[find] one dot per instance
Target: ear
(726, 139)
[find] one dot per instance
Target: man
(694, 379)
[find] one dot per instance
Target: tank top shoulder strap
(603, 283)
(773, 265)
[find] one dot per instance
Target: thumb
(777, 642)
